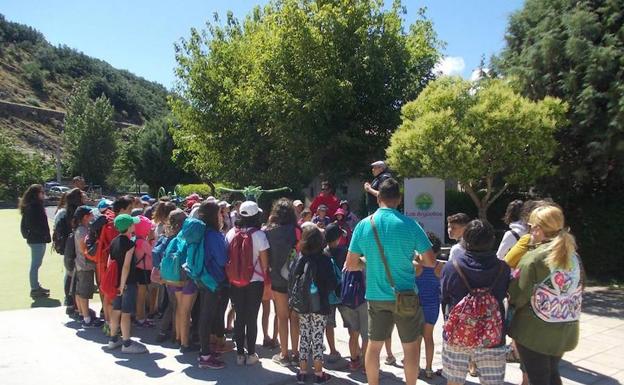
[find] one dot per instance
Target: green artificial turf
(15, 264)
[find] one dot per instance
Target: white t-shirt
(260, 243)
(456, 250)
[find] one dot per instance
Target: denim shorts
(127, 301)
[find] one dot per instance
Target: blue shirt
(215, 248)
(400, 237)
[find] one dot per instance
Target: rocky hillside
(36, 73)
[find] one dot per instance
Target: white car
(57, 191)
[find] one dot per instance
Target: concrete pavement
(40, 346)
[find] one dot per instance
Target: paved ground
(40, 346)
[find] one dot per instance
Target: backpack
(335, 295)
(195, 268)
(109, 282)
(559, 296)
(185, 246)
(59, 235)
(69, 254)
(240, 266)
(95, 229)
(143, 252)
(101, 232)
(300, 284)
(476, 321)
(353, 290)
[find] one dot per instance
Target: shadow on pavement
(604, 302)
(582, 375)
(145, 363)
(45, 302)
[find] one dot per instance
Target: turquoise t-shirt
(400, 237)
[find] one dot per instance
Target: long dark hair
(208, 212)
(312, 241)
(31, 196)
(74, 199)
(513, 212)
(283, 213)
(246, 222)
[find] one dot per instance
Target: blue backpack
(336, 295)
(195, 268)
(185, 246)
(353, 289)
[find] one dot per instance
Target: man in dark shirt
(381, 173)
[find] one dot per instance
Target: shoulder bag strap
(500, 271)
(461, 274)
(381, 253)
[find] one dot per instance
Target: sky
(138, 35)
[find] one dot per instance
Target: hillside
(34, 72)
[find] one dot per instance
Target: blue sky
(138, 35)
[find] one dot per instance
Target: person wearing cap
(299, 206)
(321, 219)
(326, 197)
(122, 251)
(350, 217)
(104, 204)
(84, 273)
(246, 299)
(341, 221)
(381, 173)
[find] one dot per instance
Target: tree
(300, 87)
(484, 135)
(89, 135)
(153, 162)
(574, 50)
(19, 170)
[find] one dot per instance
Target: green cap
(124, 221)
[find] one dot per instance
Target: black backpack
(69, 254)
(60, 234)
(299, 283)
(95, 229)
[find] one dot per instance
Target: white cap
(379, 163)
(307, 224)
(249, 209)
(297, 203)
(211, 199)
(223, 204)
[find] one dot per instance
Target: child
(354, 314)
(428, 283)
(143, 260)
(312, 323)
(341, 220)
(306, 216)
(456, 224)
(321, 219)
(338, 253)
(85, 268)
(122, 251)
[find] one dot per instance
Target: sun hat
(124, 221)
(249, 209)
(297, 203)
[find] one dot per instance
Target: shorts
(490, 361)
(188, 288)
(127, 301)
(84, 285)
(356, 320)
(142, 276)
(283, 290)
(382, 318)
(331, 317)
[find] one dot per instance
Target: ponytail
(561, 251)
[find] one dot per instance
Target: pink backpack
(476, 321)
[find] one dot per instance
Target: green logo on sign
(424, 201)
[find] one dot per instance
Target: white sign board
(424, 202)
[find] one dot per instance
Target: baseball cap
(333, 232)
(249, 209)
(297, 203)
(104, 204)
(340, 212)
(379, 163)
(344, 202)
(223, 204)
(81, 212)
(124, 221)
(146, 198)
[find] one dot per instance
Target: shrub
(32, 101)
(19, 170)
(35, 76)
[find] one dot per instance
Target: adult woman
(214, 261)
(550, 273)
(246, 298)
(283, 236)
(35, 230)
(517, 227)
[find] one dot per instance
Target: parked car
(48, 185)
(55, 192)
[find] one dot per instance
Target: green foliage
(483, 135)
(297, 88)
(89, 136)
(574, 50)
(202, 189)
(35, 76)
(19, 170)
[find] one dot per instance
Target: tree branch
(498, 194)
(472, 194)
(488, 190)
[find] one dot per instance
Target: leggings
(542, 369)
(218, 327)
(246, 301)
(207, 318)
(37, 251)
(312, 330)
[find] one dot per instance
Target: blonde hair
(563, 245)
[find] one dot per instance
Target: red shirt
(331, 201)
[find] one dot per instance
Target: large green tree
(300, 87)
(19, 169)
(89, 135)
(482, 134)
(574, 50)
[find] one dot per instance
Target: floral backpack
(476, 321)
(559, 296)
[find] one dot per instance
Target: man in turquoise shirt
(401, 237)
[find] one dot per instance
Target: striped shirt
(400, 237)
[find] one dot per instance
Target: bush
(35, 76)
(32, 101)
(200, 188)
(19, 170)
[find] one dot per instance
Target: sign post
(424, 202)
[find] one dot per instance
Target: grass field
(15, 264)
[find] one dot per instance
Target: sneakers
(270, 343)
(189, 349)
(133, 348)
(144, 323)
(39, 293)
(281, 360)
(252, 359)
(294, 359)
(210, 362)
(355, 364)
(94, 323)
(240, 359)
(114, 344)
(322, 379)
(301, 377)
(333, 357)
